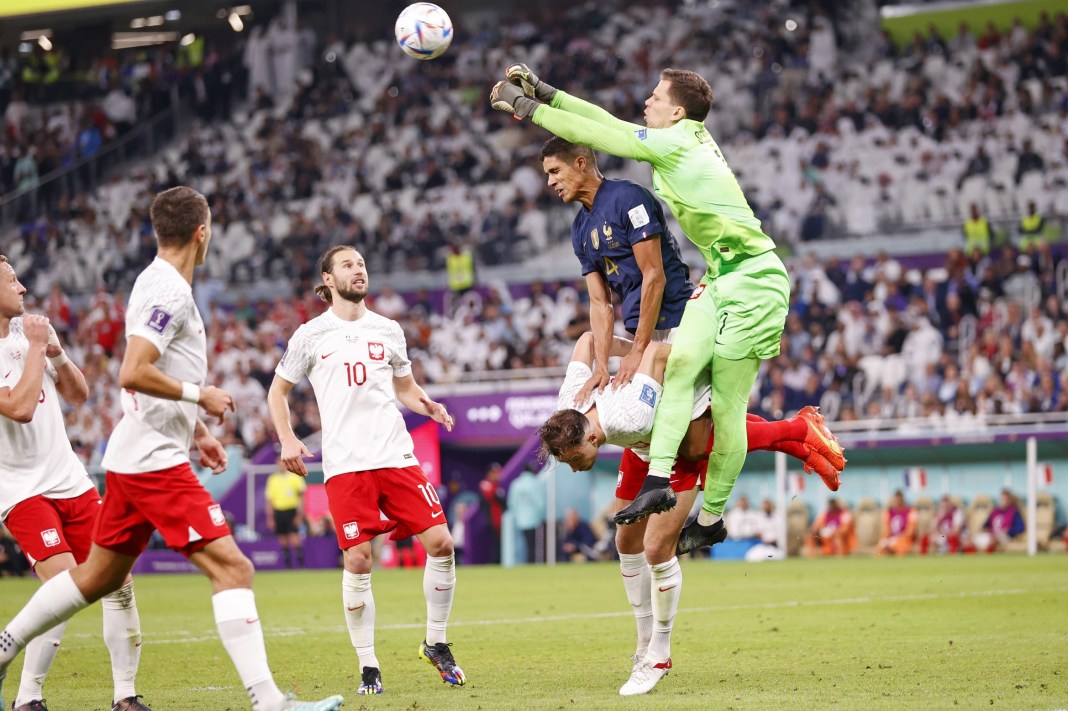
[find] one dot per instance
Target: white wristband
(191, 393)
(60, 359)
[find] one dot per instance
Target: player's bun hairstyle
(557, 147)
(326, 266)
(176, 215)
(562, 432)
(690, 91)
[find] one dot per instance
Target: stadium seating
(925, 511)
(797, 522)
(978, 512)
(868, 524)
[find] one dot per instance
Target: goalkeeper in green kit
(737, 313)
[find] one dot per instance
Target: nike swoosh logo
(353, 609)
(252, 620)
(442, 589)
(324, 357)
(668, 588)
(437, 514)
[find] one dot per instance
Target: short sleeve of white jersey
(576, 376)
(157, 315)
(297, 360)
(402, 366)
(7, 371)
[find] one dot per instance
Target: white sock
(242, 636)
(706, 519)
(122, 635)
(55, 601)
(439, 585)
(637, 581)
(666, 590)
(657, 474)
(39, 655)
(360, 615)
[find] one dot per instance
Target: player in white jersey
(150, 483)
(648, 549)
(357, 362)
(46, 498)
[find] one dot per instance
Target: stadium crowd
(404, 159)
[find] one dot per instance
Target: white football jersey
(351, 366)
(626, 414)
(156, 433)
(37, 457)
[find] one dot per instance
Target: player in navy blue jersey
(622, 242)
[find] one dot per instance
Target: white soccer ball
(423, 30)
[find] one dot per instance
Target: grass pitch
(960, 632)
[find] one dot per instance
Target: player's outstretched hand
(522, 76)
(438, 413)
(628, 366)
(212, 453)
(35, 328)
(292, 456)
(216, 401)
(506, 96)
(597, 382)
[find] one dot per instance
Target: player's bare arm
(415, 399)
(71, 383)
(212, 453)
(293, 451)
(20, 402)
(140, 374)
(651, 262)
(602, 321)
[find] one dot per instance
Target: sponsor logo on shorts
(648, 395)
(50, 538)
(216, 513)
(376, 351)
(619, 479)
(351, 530)
(158, 320)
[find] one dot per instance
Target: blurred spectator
(899, 527)
(12, 561)
(458, 530)
(1004, 524)
(526, 502)
(284, 497)
(493, 503)
(577, 539)
(832, 532)
(768, 548)
(947, 530)
(742, 522)
(977, 232)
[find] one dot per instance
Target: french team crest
(376, 351)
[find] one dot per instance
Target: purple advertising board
(498, 418)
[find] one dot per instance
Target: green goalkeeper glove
(521, 75)
(509, 97)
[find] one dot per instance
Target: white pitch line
(186, 637)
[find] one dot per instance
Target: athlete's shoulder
(628, 190)
(315, 328)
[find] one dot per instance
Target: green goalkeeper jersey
(689, 174)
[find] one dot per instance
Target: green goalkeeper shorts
(747, 303)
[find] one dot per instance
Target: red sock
(797, 450)
(762, 435)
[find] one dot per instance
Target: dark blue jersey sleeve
(578, 246)
(640, 212)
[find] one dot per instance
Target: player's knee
(629, 538)
(236, 572)
(440, 548)
(682, 364)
